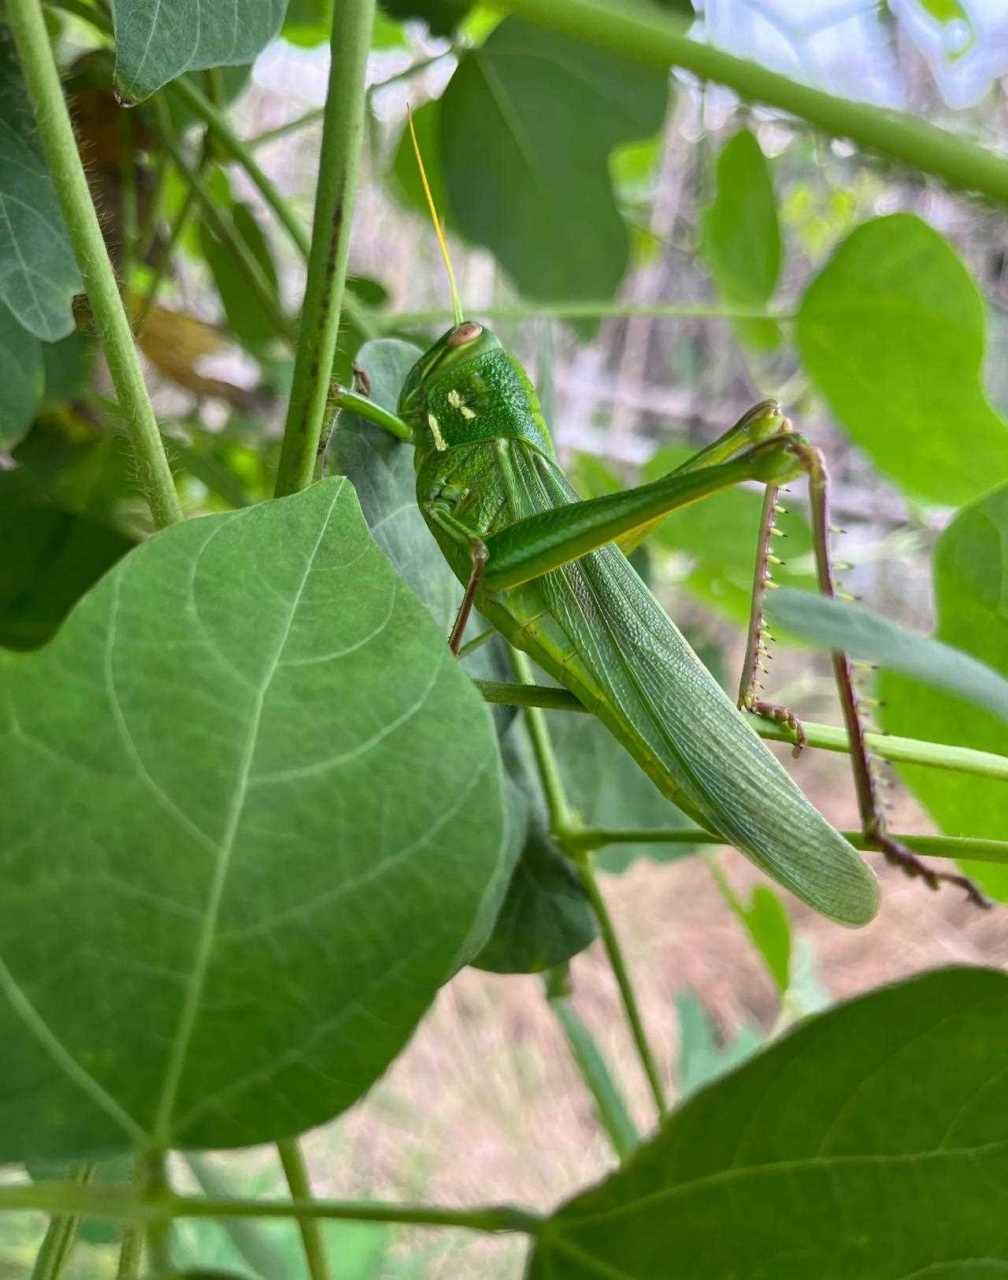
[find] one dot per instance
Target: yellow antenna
(438, 224)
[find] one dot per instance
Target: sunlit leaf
(229, 721)
(893, 332)
(826, 1155)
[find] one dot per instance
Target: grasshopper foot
(780, 715)
(900, 856)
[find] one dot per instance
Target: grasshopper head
(461, 344)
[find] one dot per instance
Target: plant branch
(972, 847)
(828, 737)
(342, 133)
(564, 828)
(46, 94)
(121, 1204)
(591, 310)
(649, 36)
(299, 1184)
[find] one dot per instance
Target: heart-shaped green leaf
(868, 1144)
(252, 821)
(893, 332)
(740, 235)
(157, 42)
(527, 126)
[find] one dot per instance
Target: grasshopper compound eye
(464, 333)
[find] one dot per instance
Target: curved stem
(649, 36)
(46, 94)
(342, 132)
(299, 1184)
(230, 144)
(828, 737)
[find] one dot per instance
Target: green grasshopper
(544, 568)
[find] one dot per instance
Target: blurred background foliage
(659, 255)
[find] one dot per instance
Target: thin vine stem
(299, 1185)
(827, 737)
(974, 848)
(644, 33)
(120, 1204)
(342, 134)
(564, 827)
(46, 94)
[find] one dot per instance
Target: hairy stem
(828, 737)
(299, 1184)
(44, 90)
(342, 132)
(647, 35)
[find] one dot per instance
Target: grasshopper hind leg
(873, 821)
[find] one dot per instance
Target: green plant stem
(44, 90)
(828, 737)
(230, 144)
(609, 1104)
(647, 35)
(224, 229)
(282, 130)
(342, 133)
(591, 310)
(117, 1204)
(562, 819)
(582, 859)
(60, 1236)
(564, 827)
(299, 1184)
(975, 848)
(130, 1253)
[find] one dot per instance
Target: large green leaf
(868, 1144)
(971, 600)
(278, 830)
(720, 534)
(21, 376)
(527, 125)
(893, 332)
(832, 624)
(38, 272)
(740, 234)
(157, 42)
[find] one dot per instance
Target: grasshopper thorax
(468, 388)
